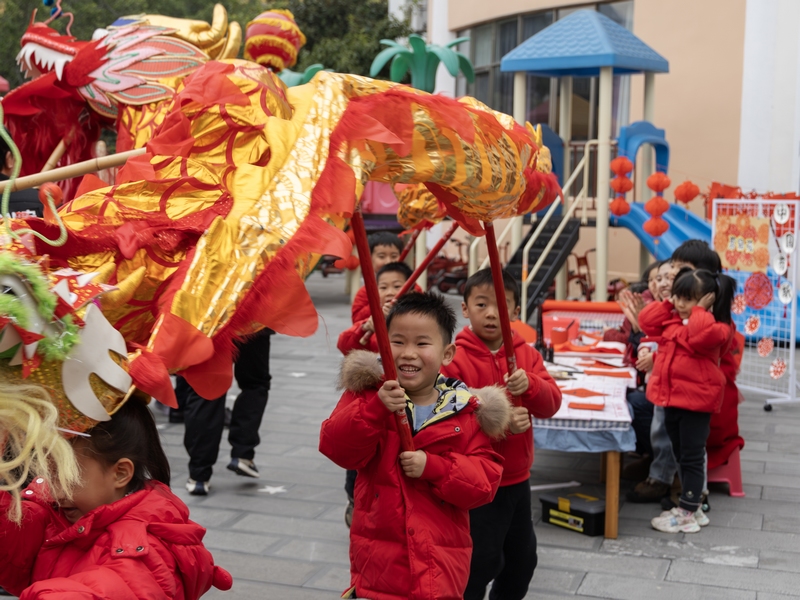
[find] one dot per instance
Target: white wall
(769, 147)
(438, 33)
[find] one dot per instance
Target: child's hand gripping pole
(389, 371)
(417, 272)
(502, 308)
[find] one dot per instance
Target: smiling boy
(409, 537)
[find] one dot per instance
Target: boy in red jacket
(384, 248)
(391, 278)
(502, 532)
(410, 534)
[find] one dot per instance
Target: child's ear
(449, 354)
(123, 472)
(464, 310)
(515, 315)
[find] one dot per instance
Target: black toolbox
(578, 512)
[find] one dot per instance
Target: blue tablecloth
(569, 440)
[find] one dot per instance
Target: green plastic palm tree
(293, 78)
(422, 60)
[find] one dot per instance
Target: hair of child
(384, 238)
(428, 304)
(696, 283)
(698, 254)
(131, 433)
(33, 446)
(484, 277)
(650, 268)
(395, 267)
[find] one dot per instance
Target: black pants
(350, 484)
(503, 545)
(642, 415)
(205, 419)
(688, 431)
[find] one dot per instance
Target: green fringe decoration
(57, 349)
(12, 307)
(40, 285)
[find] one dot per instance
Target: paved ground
(284, 537)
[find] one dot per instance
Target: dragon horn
(126, 288)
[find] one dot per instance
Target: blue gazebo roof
(579, 45)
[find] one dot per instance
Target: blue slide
(685, 225)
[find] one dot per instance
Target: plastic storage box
(578, 512)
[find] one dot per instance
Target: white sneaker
(676, 520)
(701, 518)
(197, 488)
(243, 467)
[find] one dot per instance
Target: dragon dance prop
(207, 236)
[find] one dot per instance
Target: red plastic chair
(729, 472)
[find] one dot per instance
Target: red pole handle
(360, 234)
(409, 245)
(502, 308)
(417, 272)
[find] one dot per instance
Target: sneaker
(701, 518)
(704, 503)
(676, 520)
(348, 513)
(197, 488)
(649, 490)
(243, 467)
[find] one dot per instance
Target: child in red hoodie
(121, 534)
(391, 278)
(384, 248)
(502, 531)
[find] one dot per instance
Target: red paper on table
(585, 406)
(621, 374)
(598, 365)
(583, 393)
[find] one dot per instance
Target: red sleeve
(360, 309)
(469, 479)
(705, 334)
(543, 397)
(350, 436)
(350, 339)
(617, 334)
(116, 579)
(20, 544)
(652, 317)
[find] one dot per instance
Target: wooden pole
(55, 156)
(603, 180)
(390, 373)
(409, 245)
(82, 168)
(500, 295)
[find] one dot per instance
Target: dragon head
(45, 50)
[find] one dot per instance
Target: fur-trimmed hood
(361, 370)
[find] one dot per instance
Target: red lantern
(619, 207)
(621, 166)
(686, 192)
(658, 182)
(656, 206)
(655, 226)
(53, 190)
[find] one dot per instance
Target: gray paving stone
(762, 540)
(718, 517)
(335, 579)
(780, 493)
(780, 561)
(753, 466)
(734, 577)
(292, 526)
(238, 541)
(550, 535)
(688, 549)
(556, 580)
(602, 585)
(265, 568)
(782, 523)
(316, 552)
(252, 590)
(575, 560)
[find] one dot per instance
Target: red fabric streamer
(150, 375)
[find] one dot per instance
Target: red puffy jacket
(686, 373)
(143, 546)
(350, 339)
(475, 365)
(410, 538)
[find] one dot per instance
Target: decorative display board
(756, 240)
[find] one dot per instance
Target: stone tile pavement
(283, 536)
